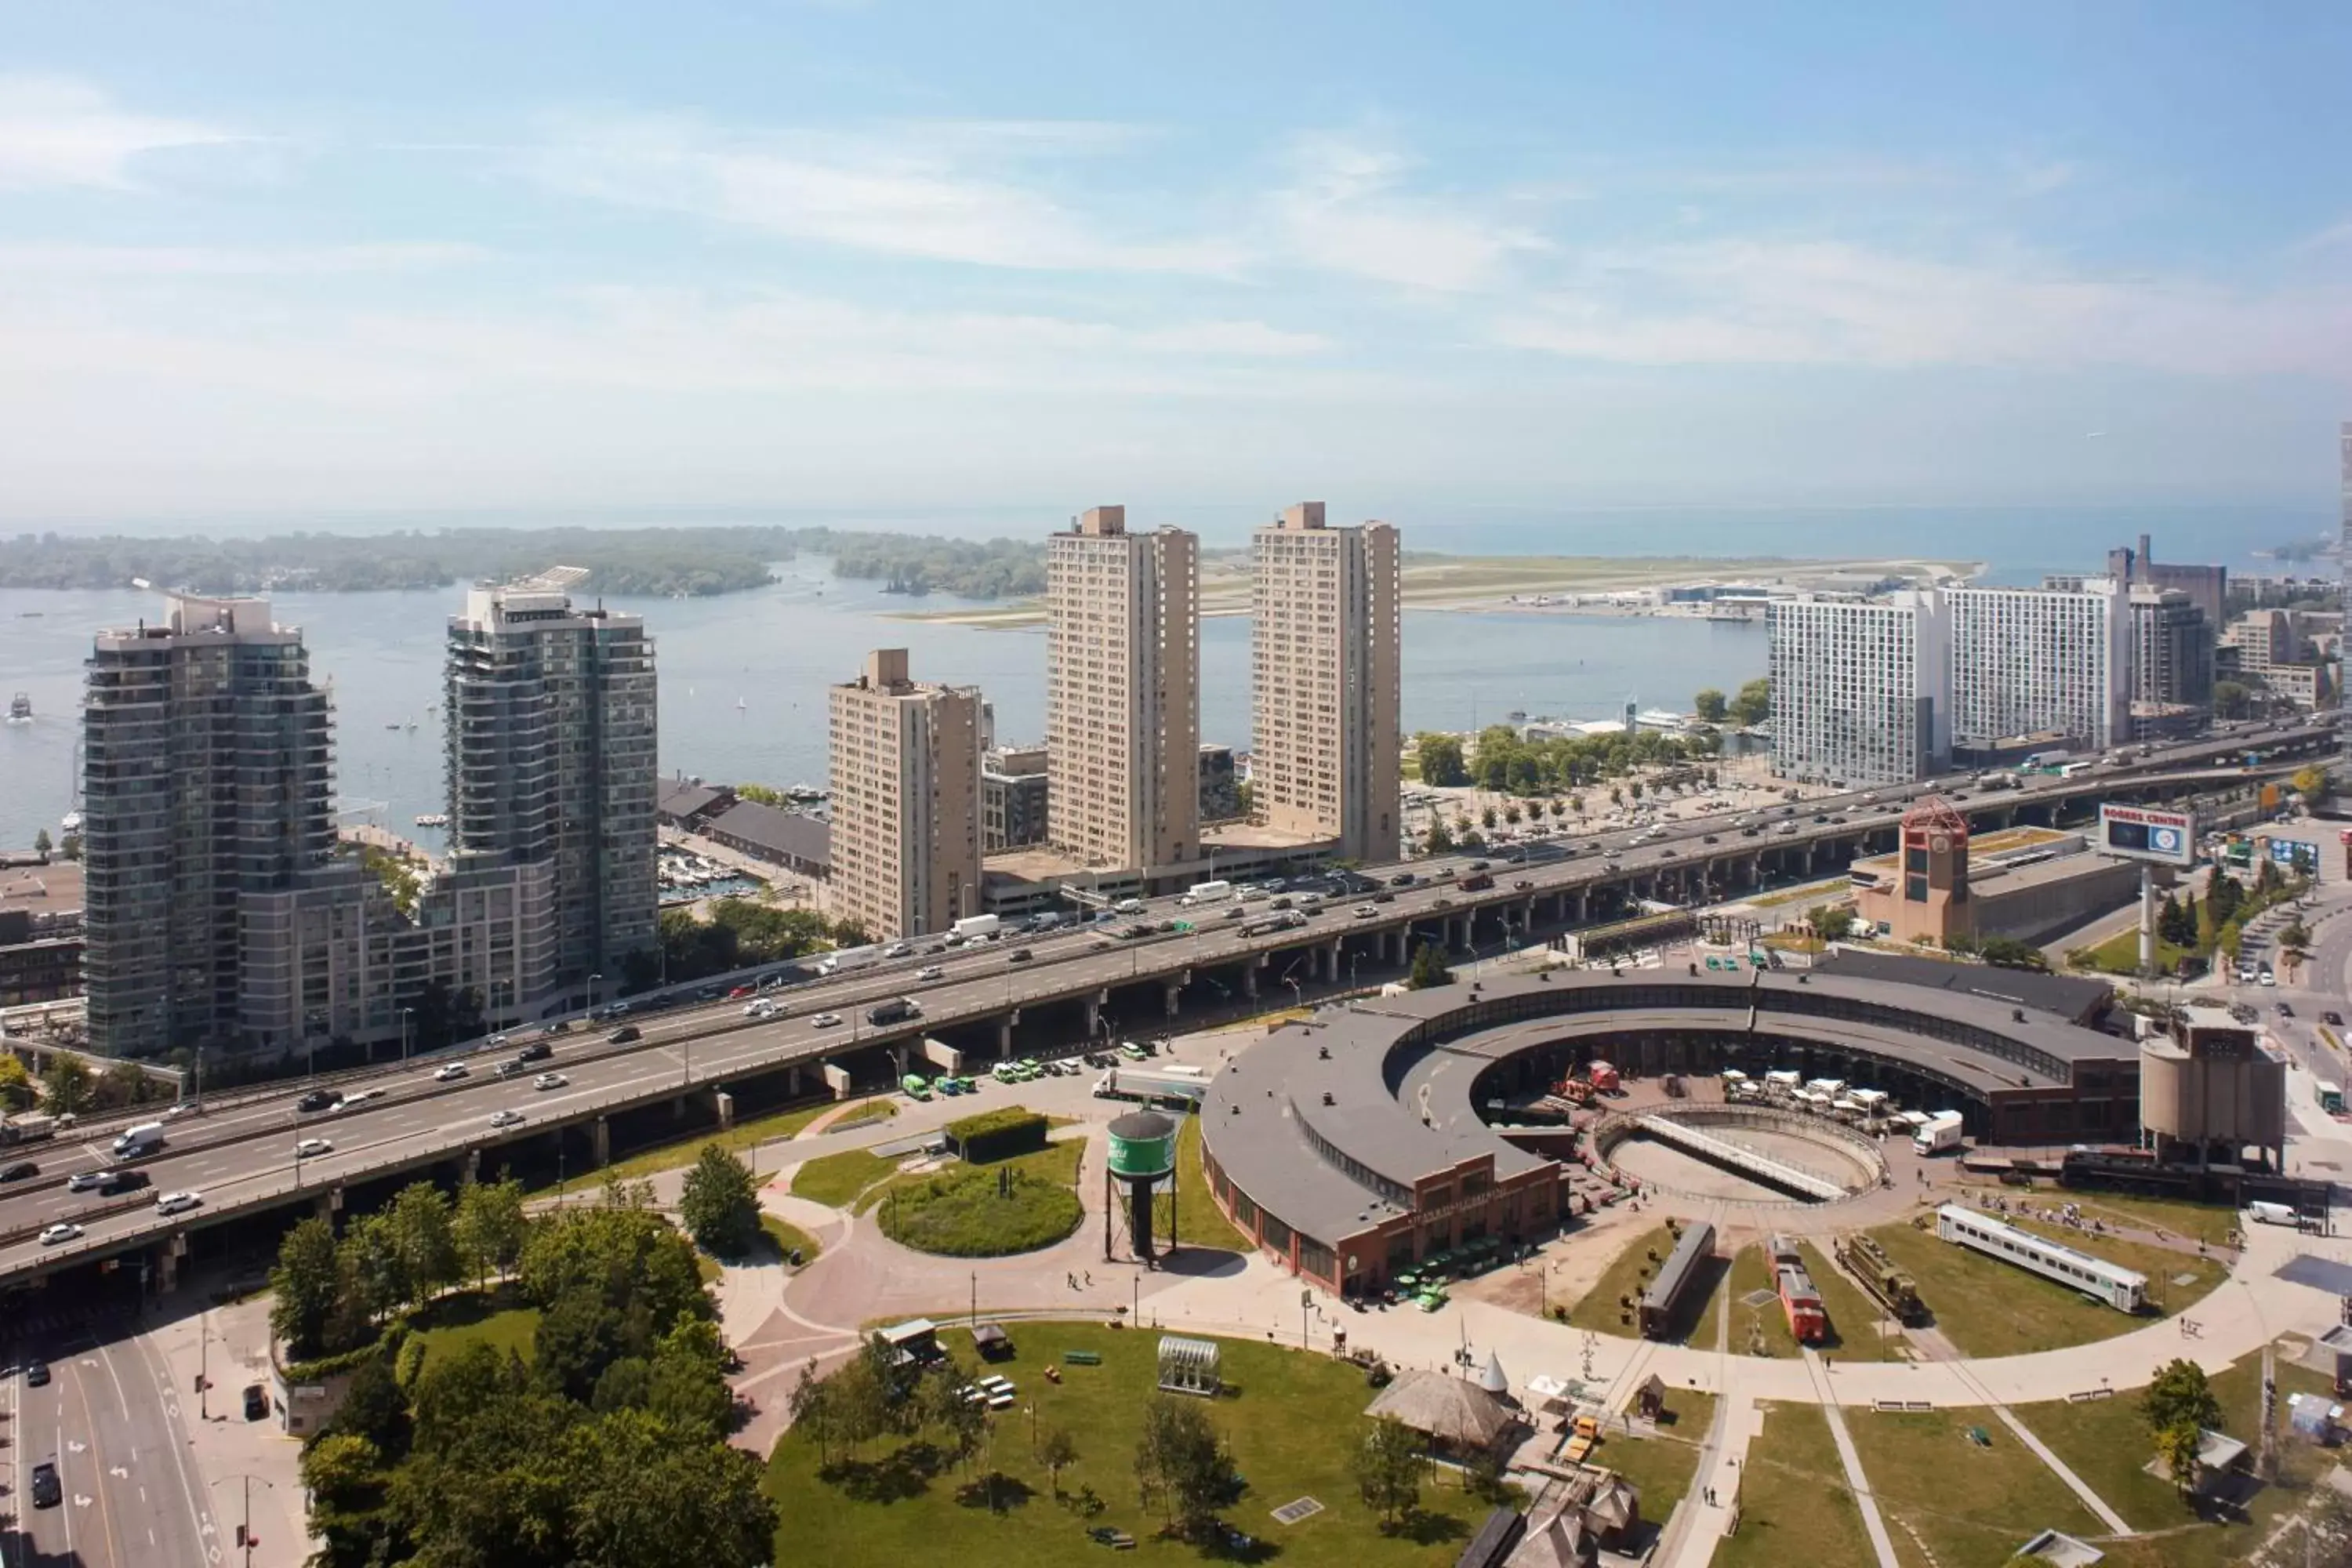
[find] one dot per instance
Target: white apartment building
(1857, 686)
(1324, 681)
(1122, 694)
(906, 800)
(2039, 661)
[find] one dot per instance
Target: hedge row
(998, 1134)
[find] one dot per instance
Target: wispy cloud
(55, 132)
(1815, 302)
(206, 261)
(1345, 211)
(948, 192)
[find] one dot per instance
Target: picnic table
(1083, 1358)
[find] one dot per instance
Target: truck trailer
(1941, 1133)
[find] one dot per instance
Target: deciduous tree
(720, 1204)
(1182, 1464)
(1388, 1468)
(306, 1284)
(1711, 706)
(489, 1227)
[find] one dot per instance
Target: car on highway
(560, 1026)
(759, 1008)
(48, 1490)
(1364, 912)
(537, 1051)
(506, 1118)
(931, 972)
(827, 1020)
(112, 1182)
(1019, 955)
(63, 1231)
(2332, 1018)
(316, 1100)
(739, 993)
(1403, 880)
(18, 1170)
(86, 1181)
(36, 1373)
(549, 1081)
(623, 1035)
(311, 1148)
(178, 1203)
(897, 950)
(495, 1043)
(362, 1096)
(2285, 1011)
(451, 1072)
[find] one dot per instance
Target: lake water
(775, 650)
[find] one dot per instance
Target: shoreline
(1489, 584)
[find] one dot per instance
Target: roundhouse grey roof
(1330, 1125)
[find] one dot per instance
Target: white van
(143, 1139)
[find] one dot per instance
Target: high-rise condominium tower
(205, 777)
(2040, 661)
(1123, 694)
(551, 763)
(1324, 673)
(1858, 687)
(906, 800)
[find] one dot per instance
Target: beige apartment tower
(906, 800)
(1123, 694)
(1323, 660)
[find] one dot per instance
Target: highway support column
(600, 1141)
(1171, 991)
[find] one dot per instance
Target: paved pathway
(1858, 1483)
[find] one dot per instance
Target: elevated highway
(1077, 985)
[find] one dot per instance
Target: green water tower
(1142, 1156)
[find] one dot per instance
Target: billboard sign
(2143, 833)
(2296, 855)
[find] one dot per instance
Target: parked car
(2332, 1018)
(256, 1402)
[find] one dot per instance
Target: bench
(1083, 1358)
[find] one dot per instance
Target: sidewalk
(231, 1345)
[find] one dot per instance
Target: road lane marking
(177, 1439)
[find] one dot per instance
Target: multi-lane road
(244, 1158)
(117, 1433)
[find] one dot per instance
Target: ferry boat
(433, 819)
(20, 708)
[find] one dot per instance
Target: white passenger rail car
(2123, 1288)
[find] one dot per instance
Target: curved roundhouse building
(1353, 1146)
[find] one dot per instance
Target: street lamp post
(245, 1531)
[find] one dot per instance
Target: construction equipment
(1890, 1287)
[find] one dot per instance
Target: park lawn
(1795, 1507)
(835, 1180)
(1972, 1506)
(739, 1138)
(2106, 1441)
(2209, 1223)
(1663, 1466)
(959, 1211)
(1627, 1276)
(1763, 1329)
(2119, 954)
(1290, 1419)
(788, 1236)
(497, 1317)
(1199, 1221)
(1987, 1308)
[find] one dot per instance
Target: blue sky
(257, 259)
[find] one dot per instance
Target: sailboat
(741, 705)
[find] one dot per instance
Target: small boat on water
(393, 725)
(434, 819)
(20, 708)
(71, 822)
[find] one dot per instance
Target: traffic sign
(2143, 833)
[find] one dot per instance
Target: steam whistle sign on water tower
(2142, 833)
